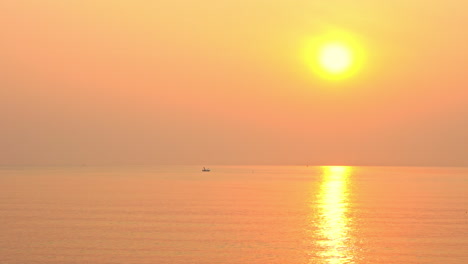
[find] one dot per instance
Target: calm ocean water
(258, 215)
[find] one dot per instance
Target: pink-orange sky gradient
(223, 82)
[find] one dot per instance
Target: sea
(233, 215)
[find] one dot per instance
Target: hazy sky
(224, 82)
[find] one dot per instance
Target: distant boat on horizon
(206, 169)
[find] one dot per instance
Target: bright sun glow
(335, 55)
(335, 58)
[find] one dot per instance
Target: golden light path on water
(333, 223)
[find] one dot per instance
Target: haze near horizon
(226, 82)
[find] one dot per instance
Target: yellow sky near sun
(147, 72)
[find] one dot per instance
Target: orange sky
(223, 82)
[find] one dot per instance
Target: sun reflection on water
(333, 223)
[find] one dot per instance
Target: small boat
(206, 169)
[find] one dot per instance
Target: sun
(334, 56)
